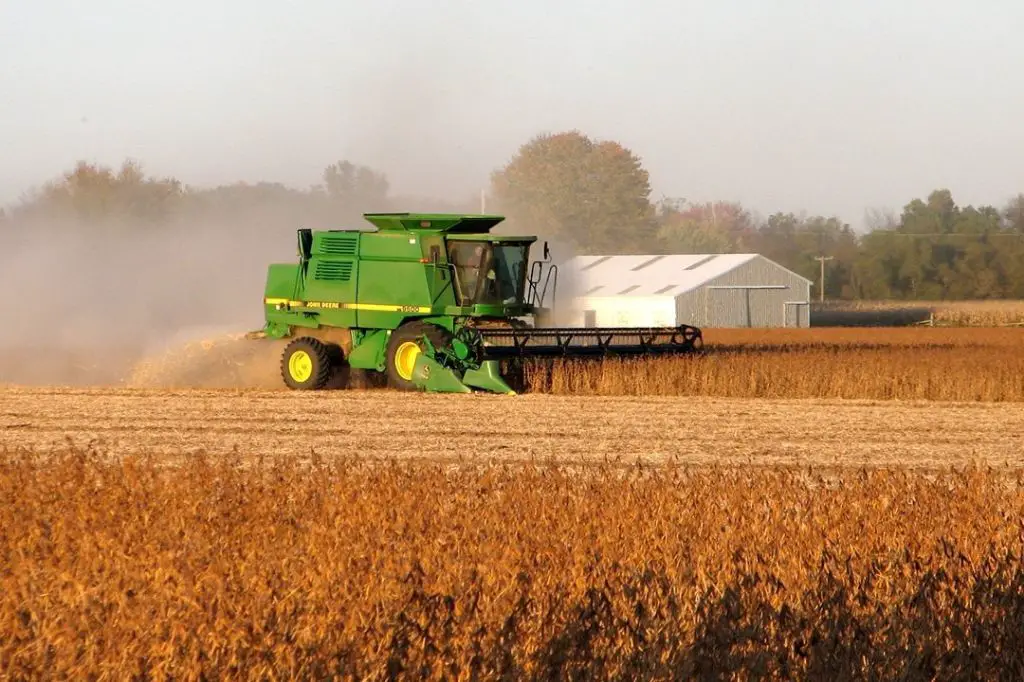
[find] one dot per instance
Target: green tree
(595, 195)
(796, 242)
(940, 250)
(353, 190)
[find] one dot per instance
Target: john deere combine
(434, 301)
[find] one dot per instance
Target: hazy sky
(825, 107)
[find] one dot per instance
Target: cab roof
(449, 223)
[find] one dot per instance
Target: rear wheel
(406, 345)
(306, 364)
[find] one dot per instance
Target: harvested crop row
(372, 424)
(273, 569)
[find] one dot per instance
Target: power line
(822, 259)
(1019, 235)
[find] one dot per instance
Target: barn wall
(706, 307)
(626, 311)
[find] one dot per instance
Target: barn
(704, 290)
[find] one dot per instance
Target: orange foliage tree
(594, 194)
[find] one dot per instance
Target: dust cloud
(558, 292)
(564, 287)
(86, 302)
(169, 305)
(127, 302)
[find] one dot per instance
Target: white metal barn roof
(650, 275)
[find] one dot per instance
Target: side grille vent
(334, 271)
(339, 244)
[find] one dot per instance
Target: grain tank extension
(434, 301)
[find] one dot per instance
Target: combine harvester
(434, 301)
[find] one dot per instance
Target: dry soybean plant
(880, 364)
(222, 570)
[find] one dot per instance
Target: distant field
(902, 313)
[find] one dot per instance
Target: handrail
(533, 279)
(552, 270)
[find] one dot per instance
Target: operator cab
(489, 273)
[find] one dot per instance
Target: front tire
(405, 345)
(306, 364)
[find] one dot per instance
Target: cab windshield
(488, 274)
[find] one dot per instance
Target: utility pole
(821, 286)
(483, 201)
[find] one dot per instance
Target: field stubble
(588, 429)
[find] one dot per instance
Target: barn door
(797, 314)
(792, 316)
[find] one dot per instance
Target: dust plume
(561, 294)
(102, 295)
(121, 280)
(89, 299)
(162, 301)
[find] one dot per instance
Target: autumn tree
(99, 196)
(1013, 214)
(710, 227)
(263, 212)
(593, 194)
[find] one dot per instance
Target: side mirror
(435, 260)
(305, 242)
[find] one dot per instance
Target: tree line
(596, 194)
(595, 198)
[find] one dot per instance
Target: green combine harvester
(433, 301)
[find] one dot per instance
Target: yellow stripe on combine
(331, 305)
(390, 308)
